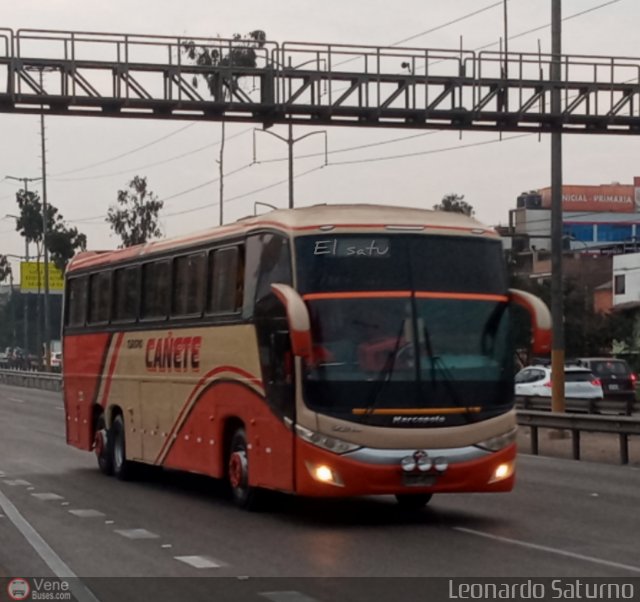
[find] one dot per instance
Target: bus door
(269, 261)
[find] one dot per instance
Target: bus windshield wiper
(384, 375)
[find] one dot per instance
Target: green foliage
(135, 218)
(239, 52)
(454, 203)
(5, 268)
(62, 241)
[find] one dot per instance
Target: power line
(155, 164)
(448, 23)
(125, 154)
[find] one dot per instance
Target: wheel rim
(238, 466)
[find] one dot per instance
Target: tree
(454, 203)
(240, 52)
(5, 268)
(135, 218)
(62, 241)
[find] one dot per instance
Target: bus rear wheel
(121, 466)
(413, 501)
(102, 447)
(243, 494)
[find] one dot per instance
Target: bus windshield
(404, 322)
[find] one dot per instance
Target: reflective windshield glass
(406, 322)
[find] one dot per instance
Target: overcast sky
(490, 176)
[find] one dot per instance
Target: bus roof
(319, 219)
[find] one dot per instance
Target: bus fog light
(424, 464)
(324, 474)
(440, 464)
(502, 471)
(408, 464)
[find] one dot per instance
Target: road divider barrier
(31, 379)
(623, 426)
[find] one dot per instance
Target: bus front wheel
(413, 501)
(244, 496)
(121, 466)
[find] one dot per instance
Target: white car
(579, 383)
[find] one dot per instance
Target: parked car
(579, 382)
(618, 381)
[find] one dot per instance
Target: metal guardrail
(589, 406)
(31, 379)
(623, 426)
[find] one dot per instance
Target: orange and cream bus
(324, 351)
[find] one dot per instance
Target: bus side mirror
(298, 319)
(540, 319)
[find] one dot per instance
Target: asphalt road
(61, 517)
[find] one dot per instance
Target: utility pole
(25, 298)
(290, 140)
(557, 313)
(45, 246)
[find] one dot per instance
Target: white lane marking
(199, 562)
(287, 596)
(535, 546)
(66, 504)
(46, 497)
(2, 475)
(16, 399)
(86, 513)
(166, 545)
(109, 522)
(18, 482)
(45, 551)
(59, 407)
(136, 534)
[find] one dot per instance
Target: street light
(290, 142)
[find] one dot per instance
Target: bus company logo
(401, 420)
(18, 589)
(173, 354)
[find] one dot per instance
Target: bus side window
(268, 260)
(77, 301)
(188, 285)
(126, 294)
(225, 267)
(156, 287)
(99, 298)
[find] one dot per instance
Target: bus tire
(102, 446)
(413, 501)
(121, 466)
(244, 496)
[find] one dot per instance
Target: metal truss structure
(102, 74)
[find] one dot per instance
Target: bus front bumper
(320, 473)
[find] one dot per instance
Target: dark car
(618, 381)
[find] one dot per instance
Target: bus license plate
(418, 479)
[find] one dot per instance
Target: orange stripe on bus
(358, 295)
(416, 411)
(164, 450)
(462, 296)
(112, 367)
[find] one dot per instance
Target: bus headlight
(502, 471)
(337, 446)
(324, 474)
(498, 442)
